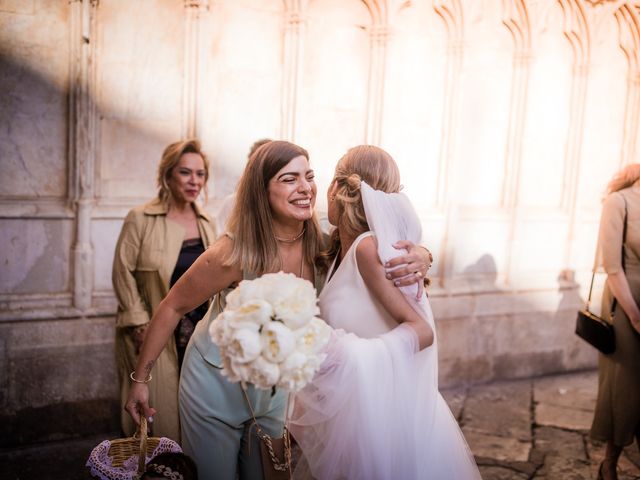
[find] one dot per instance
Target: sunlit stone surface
(506, 118)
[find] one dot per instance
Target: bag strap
(622, 260)
(277, 464)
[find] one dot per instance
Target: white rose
(298, 369)
(251, 314)
(228, 369)
(244, 345)
(277, 341)
(263, 373)
(313, 337)
(249, 290)
(219, 330)
(295, 301)
(233, 300)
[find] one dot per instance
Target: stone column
(82, 138)
(193, 10)
(576, 29)
(516, 19)
(379, 34)
(293, 43)
(450, 11)
(629, 37)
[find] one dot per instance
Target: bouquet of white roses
(269, 334)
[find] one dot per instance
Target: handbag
(596, 331)
(592, 328)
(275, 453)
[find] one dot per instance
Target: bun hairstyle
(362, 163)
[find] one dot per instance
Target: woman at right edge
(617, 414)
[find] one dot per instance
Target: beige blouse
(609, 249)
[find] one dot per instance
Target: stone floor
(535, 429)
(528, 429)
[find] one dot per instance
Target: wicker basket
(140, 444)
(117, 459)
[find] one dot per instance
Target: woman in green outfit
(272, 228)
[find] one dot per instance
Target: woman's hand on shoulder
(409, 268)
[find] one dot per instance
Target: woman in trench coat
(158, 242)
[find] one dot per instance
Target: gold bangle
(134, 379)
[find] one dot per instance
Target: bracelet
(134, 379)
(430, 258)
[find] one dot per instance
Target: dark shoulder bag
(590, 327)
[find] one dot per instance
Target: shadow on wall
(495, 334)
(58, 377)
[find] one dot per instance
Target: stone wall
(506, 118)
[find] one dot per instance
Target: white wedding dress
(374, 411)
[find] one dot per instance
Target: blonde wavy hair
(624, 178)
(255, 247)
(362, 163)
(170, 158)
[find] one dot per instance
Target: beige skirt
(617, 413)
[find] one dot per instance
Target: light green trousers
(216, 421)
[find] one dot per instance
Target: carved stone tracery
(82, 139)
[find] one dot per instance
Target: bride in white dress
(374, 411)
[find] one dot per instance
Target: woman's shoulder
(615, 200)
(222, 248)
(152, 207)
(366, 248)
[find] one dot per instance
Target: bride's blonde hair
(624, 178)
(362, 163)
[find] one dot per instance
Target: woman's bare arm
(391, 298)
(206, 277)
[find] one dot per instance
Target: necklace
(290, 240)
(301, 257)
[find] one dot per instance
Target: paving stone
(628, 465)
(455, 398)
(566, 401)
(503, 449)
(575, 390)
(528, 468)
(564, 453)
(632, 454)
(562, 417)
(500, 409)
(501, 473)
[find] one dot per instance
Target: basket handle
(142, 456)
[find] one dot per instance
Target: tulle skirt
(374, 411)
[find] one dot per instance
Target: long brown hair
(362, 163)
(624, 178)
(251, 223)
(170, 158)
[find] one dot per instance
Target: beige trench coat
(145, 257)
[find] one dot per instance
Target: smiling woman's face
(292, 192)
